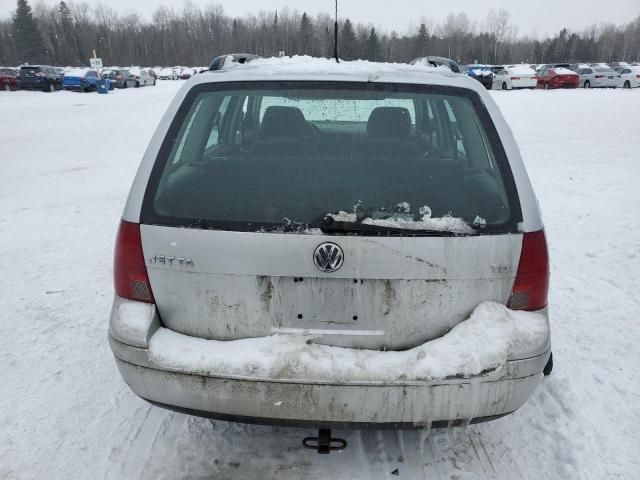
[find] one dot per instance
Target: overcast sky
(531, 16)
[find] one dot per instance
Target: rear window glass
(30, 71)
(268, 156)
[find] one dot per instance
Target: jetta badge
(328, 257)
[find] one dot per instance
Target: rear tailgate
(390, 292)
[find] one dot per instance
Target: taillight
(515, 78)
(129, 270)
(531, 286)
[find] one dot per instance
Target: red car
(8, 79)
(557, 77)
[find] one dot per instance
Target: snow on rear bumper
(309, 401)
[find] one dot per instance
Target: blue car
(482, 73)
(81, 80)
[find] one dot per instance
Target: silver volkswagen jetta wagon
(322, 244)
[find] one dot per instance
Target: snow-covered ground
(66, 163)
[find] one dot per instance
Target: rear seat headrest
(281, 121)
(389, 122)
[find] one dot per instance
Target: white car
(368, 252)
(629, 76)
(142, 76)
(598, 77)
(168, 73)
(515, 77)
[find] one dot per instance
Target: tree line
(67, 34)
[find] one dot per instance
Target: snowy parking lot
(66, 163)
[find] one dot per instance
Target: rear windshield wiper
(330, 225)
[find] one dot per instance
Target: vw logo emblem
(328, 257)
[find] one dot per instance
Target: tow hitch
(323, 443)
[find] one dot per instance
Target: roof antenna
(335, 36)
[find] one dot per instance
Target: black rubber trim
(297, 423)
(548, 368)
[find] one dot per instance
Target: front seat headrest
(389, 122)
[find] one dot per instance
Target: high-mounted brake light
(129, 270)
(531, 286)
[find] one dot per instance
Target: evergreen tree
(26, 34)
(277, 40)
(372, 48)
(347, 42)
(305, 42)
(421, 41)
(67, 47)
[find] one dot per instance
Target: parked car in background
(80, 80)
(514, 77)
(618, 64)
(39, 77)
(598, 77)
(481, 73)
(181, 259)
(120, 77)
(8, 79)
(187, 73)
(556, 77)
(225, 61)
(629, 76)
(142, 77)
(432, 61)
(168, 73)
(152, 72)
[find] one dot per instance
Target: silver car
(326, 244)
(598, 77)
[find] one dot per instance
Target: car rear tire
(504, 86)
(137, 84)
(627, 84)
(587, 84)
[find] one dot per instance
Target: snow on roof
(76, 72)
(521, 70)
(564, 71)
(310, 68)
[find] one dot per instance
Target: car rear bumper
(401, 405)
(32, 86)
(308, 402)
